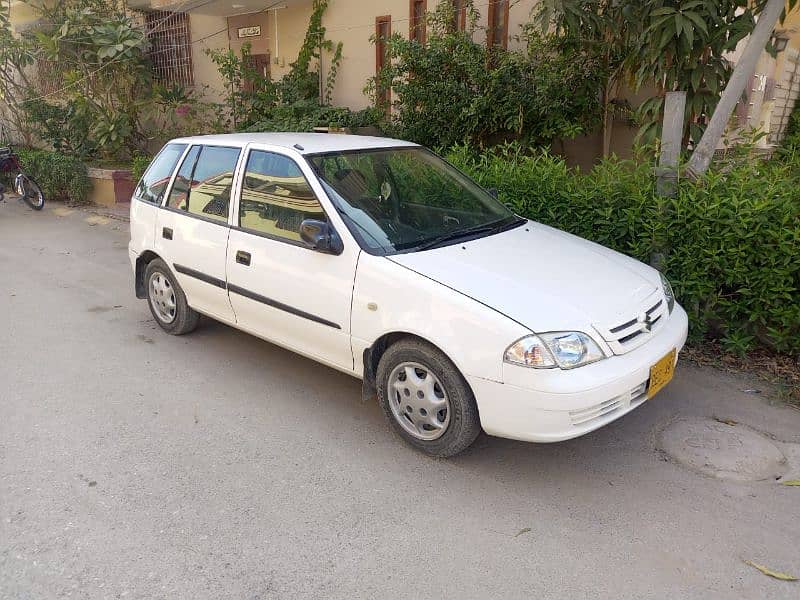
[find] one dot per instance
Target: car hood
(543, 278)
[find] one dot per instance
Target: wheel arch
(372, 356)
(144, 259)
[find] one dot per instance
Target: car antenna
(299, 147)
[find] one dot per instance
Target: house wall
(208, 32)
(22, 15)
(775, 114)
(350, 21)
(259, 44)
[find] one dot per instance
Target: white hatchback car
(376, 257)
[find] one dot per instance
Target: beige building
(775, 86)
(182, 30)
(275, 30)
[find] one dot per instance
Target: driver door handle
(243, 258)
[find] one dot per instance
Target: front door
(192, 229)
(258, 65)
(279, 288)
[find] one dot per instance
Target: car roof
(309, 143)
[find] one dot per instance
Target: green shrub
(305, 115)
(452, 89)
(61, 177)
(791, 140)
(139, 165)
(732, 240)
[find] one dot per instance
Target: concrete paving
(134, 464)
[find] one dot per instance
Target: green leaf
(667, 10)
(697, 20)
(697, 75)
(688, 31)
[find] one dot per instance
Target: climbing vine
(297, 97)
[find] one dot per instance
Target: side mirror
(492, 192)
(321, 237)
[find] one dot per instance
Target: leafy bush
(733, 239)
(257, 103)
(305, 115)
(791, 140)
(61, 177)
(66, 127)
(139, 165)
(451, 89)
(100, 113)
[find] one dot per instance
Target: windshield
(405, 199)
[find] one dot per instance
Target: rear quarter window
(154, 181)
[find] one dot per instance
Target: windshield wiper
(495, 227)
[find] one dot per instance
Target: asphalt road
(134, 464)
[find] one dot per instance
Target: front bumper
(551, 405)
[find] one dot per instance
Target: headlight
(668, 293)
(564, 349)
(530, 351)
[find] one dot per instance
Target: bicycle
(23, 185)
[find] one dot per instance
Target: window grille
(170, 47)
(49, 76)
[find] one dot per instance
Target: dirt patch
(780, 371)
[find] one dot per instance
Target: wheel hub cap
(162, 297)
(418, 401)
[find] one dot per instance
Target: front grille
(633, 332)
(629, 399)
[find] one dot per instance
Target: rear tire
(31, 193)
(167, 301)
(426, 399)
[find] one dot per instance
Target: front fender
(389, 298)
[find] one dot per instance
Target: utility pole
(703, 153)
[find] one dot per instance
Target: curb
(110, 213)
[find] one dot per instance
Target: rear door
(192, 229)
(280, 289)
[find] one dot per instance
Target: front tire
(167, 301)
(31, 193)
(426, 399)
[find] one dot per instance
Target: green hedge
(733, 239)
(61, 177)
(139, 165)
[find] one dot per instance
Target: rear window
(204, 181)
(153, 183)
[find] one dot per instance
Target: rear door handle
(243, 258)
(166, 233)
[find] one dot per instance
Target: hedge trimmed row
(61, 177)
(733, 239)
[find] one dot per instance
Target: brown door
(383, 31)
(259, 63)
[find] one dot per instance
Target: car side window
(276, 197)
(179, 194)
(204, 182)
(153, 183)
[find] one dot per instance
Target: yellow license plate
(661, 373)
